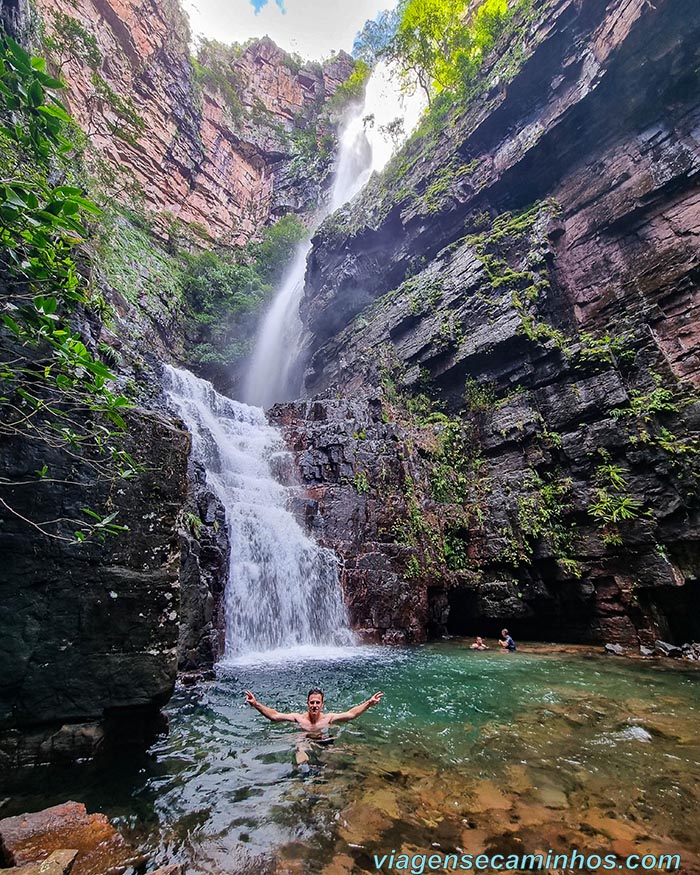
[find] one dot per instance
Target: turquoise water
(476, 751)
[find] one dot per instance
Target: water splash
(283, 589)
(371, 133)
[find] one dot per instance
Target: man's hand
(375, 699)
(250, 698)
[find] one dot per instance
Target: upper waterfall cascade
(283, 589)
(367, 142)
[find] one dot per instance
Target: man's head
(505, 633)
(314, 701)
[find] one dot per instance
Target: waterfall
(283, 589)
(368, 138)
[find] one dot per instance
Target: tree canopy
(440, 44)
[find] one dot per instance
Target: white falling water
(365, 147)
(283, 589)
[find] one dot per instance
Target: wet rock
(57, 863)
(616, 649)
(646, 651)
(28, 838)
(691, 651)
(422, 291)
(204, 562)
(99, 628)
(665, 649)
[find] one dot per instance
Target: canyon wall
(522, 283)
(210, 148)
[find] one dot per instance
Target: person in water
(506, 641)
(313, 721)
(478, 644)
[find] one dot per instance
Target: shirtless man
(314, 721)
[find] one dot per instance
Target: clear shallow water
(478, 751)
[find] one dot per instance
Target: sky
(311, 28)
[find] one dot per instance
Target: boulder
(57, 863)
(97, 846)
(666, 649)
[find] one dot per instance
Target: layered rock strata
(531, 263)
(211, 149)
(446, 531)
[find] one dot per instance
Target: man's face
(315, 703)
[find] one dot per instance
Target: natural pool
(509, 753)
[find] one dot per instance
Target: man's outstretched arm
(356, 710)
(270, 713)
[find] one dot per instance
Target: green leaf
(36, 93)
(11, 324)
(63, 382)
(21, 58)
(55, 112)
(50, 82)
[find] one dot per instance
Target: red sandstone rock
(28, 838)
(57, 863)
(196, 159)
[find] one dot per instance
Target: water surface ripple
(478, 751)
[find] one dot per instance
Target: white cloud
(312, 28)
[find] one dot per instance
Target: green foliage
(52, 388)
(433, 44)
(452, 465)
(428, 36)
(645, 406)
(193, 522)
(612, 504)
(542, 505)
(32, 117)
(69, 39)
(372, 41)
(455, 549)
(136, 268)
(353, 89)
(213, 67)
(361, 483)
(127, 125)
(225, 292)
(272, 254)
(606, 350)
(643, 417)
(478, 397)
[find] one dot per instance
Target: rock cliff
(89, 632)
(210, 147)
(529, 263)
